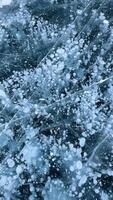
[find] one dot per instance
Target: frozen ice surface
(56, 100)
(5, 2)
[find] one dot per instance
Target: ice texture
(56, 100)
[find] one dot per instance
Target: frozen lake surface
(56, 100)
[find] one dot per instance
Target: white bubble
(82, 141)
(10, 162)
(79, 164)
(19, 169)
(67, 76)
(72, 168)
(83, 180)
(106, 22)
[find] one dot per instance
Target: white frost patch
(104, 196)
(9, 133)
(30, 154)
(110, 172)
(31, 132)
(55, 190)
(33, 156)
(4, 98)
(5, 2)
(8, 183)
(2, 93)
(3, 181)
